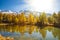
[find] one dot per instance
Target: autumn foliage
(21, 18)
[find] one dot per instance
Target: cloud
(0, 10)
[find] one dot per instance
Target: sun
(41, 5)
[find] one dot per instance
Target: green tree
(50, 20)
(31, 18)
(43, 33)
(10, 18)
(1, 17)
(43, 18)
(58, 17)
(5, 18)
(16, 20)
(55, 18)
(22, 18)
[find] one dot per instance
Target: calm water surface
(29, 32)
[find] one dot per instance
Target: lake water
(30, 32)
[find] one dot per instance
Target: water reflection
(30, 32)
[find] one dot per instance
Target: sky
(32, 5)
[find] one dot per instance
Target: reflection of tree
(50, 28)
(43, 32)
(37, 29)
(16, 28)
(56, 33)
(31, 29)
(1, 28)
(9, 28)
(22, 29)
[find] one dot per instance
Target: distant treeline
(22, 18)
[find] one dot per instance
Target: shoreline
(29, 24)
(26, 24)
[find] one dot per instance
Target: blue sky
(56, 5)
(14, 5)
(17, 5)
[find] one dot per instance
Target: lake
(30, 32)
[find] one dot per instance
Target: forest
(30, 19)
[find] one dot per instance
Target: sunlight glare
(41, 5)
